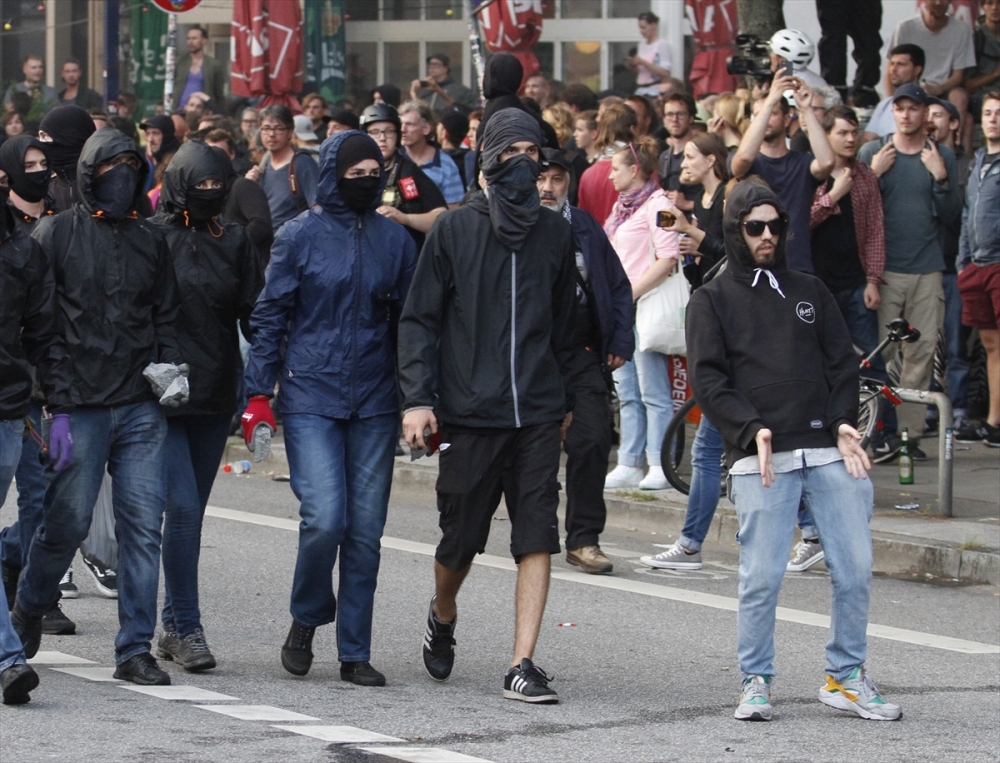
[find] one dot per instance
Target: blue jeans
(31, 484)
(955, 336)
(128, 440)
(643, 387)
(11, 651)
(193, 450)
(706, 463)
(841, 507)
(341, 471)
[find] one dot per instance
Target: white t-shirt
(945, 51)
(658, 54)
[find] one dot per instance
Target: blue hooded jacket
(335, 288)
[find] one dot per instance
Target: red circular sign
(176, 6)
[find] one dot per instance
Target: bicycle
(675, 456)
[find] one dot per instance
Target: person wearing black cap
(341, 120)
(440, 91)
(388, 94)
(410, 197)
(486, 360)
(161, 140)
(325, 324)
(65, 129)
(604, 342)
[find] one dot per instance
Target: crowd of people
(467, 276)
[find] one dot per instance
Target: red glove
(258, 412)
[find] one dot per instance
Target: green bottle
(905, 460)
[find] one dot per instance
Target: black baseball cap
(912, 91)
(557, 157)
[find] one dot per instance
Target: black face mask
(63, 158)
(34, 186)
(359, 193)
(205, 203)
(114, 191)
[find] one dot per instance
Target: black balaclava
(30, 186)
(512, 185)
(390, 94)
(114, 191)
(69, 127)
(165, 125)
(358, 193)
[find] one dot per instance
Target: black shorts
(476, 469)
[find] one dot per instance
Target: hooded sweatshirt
(70, 127)
(769, 349)
(335, 288)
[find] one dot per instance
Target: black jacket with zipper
(486, 336)
(760, 358)
(218, 276)
(115, 287)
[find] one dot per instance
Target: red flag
(267, 51)
(714, 24)
(514, 26)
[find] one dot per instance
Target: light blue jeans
(11, 652)
(841, 507)
(643, 387)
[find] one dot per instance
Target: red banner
(176, 6)
(267, 51)
(714, 25)
(514, 26)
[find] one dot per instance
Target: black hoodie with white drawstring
(769, 348)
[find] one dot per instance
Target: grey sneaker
(192, 652)
(168, 646)
(857, 694)
(755, 699)
(674, 558)
(804, 556)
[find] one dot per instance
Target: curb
(664, 514)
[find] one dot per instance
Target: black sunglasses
(756, 227)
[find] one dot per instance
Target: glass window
(362, 69)
(582, 64)
(580, 9)
(443, 9)
(400, 10)
(545, 52)
(620, 77)
(627, 9)
(453, 50)
(402, 65)
(361, 10)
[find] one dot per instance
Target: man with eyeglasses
(410, 197)
(773, 367)
(678, 115)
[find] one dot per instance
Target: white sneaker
(655, 479)
(623, 476)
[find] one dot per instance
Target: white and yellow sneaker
(857, 694)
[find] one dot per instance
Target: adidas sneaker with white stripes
(528, 684)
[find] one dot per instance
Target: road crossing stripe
(423, 755)
(339, 734)
(58, 658)
(655, 590)
(91, 674)
(175, 692)
(257, 713)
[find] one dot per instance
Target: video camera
(753, 57)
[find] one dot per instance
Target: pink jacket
(636, 236)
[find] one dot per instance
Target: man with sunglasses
(773, 367)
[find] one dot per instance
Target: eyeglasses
(676, 115)
(266, 130)
(248, 122)
(756, 227)
(382, 133)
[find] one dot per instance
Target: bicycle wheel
(868, 415)
(675, 454)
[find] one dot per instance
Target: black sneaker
(143, 670)
(28, 629)
(296, 654)
(361, 673)
(992, 438)
(439, 646)
(11, 575)
(55, 622)
(192, 652)
(67, 588)
(168, 646)
(528, 684)
(18, 681)
(917, 454)
(105, 578)
(930, 428)
(887, 450)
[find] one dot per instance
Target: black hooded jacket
(115, 287)
(486, 337)
(762, 360)
(218, 277)
(70, 127)
(29, 329)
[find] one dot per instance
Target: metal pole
(476, 41)
(111, 73)
(945, 441)
(171, 62)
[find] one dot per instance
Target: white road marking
(58, 658)
(424, 755)
(340, 734)
(655, 590)
(178, 692)
(91, 674)
(257, 713)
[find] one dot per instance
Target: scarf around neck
(627, 204)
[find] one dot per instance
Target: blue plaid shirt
(444, 172)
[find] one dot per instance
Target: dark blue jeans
(194, 448)
(341, 471)
(31, 483)
(128, 440)
(956, 336)
(706, 475)
(11, 651)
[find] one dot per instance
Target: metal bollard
(945, 441)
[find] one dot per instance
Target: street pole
(111, 74)
(171, 61)
(475, 39)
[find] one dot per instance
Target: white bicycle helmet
(794, 46)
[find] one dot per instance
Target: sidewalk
(965, 547)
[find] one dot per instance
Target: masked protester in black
(29, 199)
(118, 305)
(65, 129)
(218, 277)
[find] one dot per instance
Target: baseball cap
(303, 128)
(948, 106)
(912, 91)
(557, 157)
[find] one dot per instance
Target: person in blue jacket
(336, 283)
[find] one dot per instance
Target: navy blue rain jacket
(335, 288)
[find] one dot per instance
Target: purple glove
(60, 442)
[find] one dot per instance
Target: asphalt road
(646, 671)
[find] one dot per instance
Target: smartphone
(424, 83)
(665, 219)
(785, 69)
(633, 52)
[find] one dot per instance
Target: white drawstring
(771, 279)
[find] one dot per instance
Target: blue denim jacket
(980, 241)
